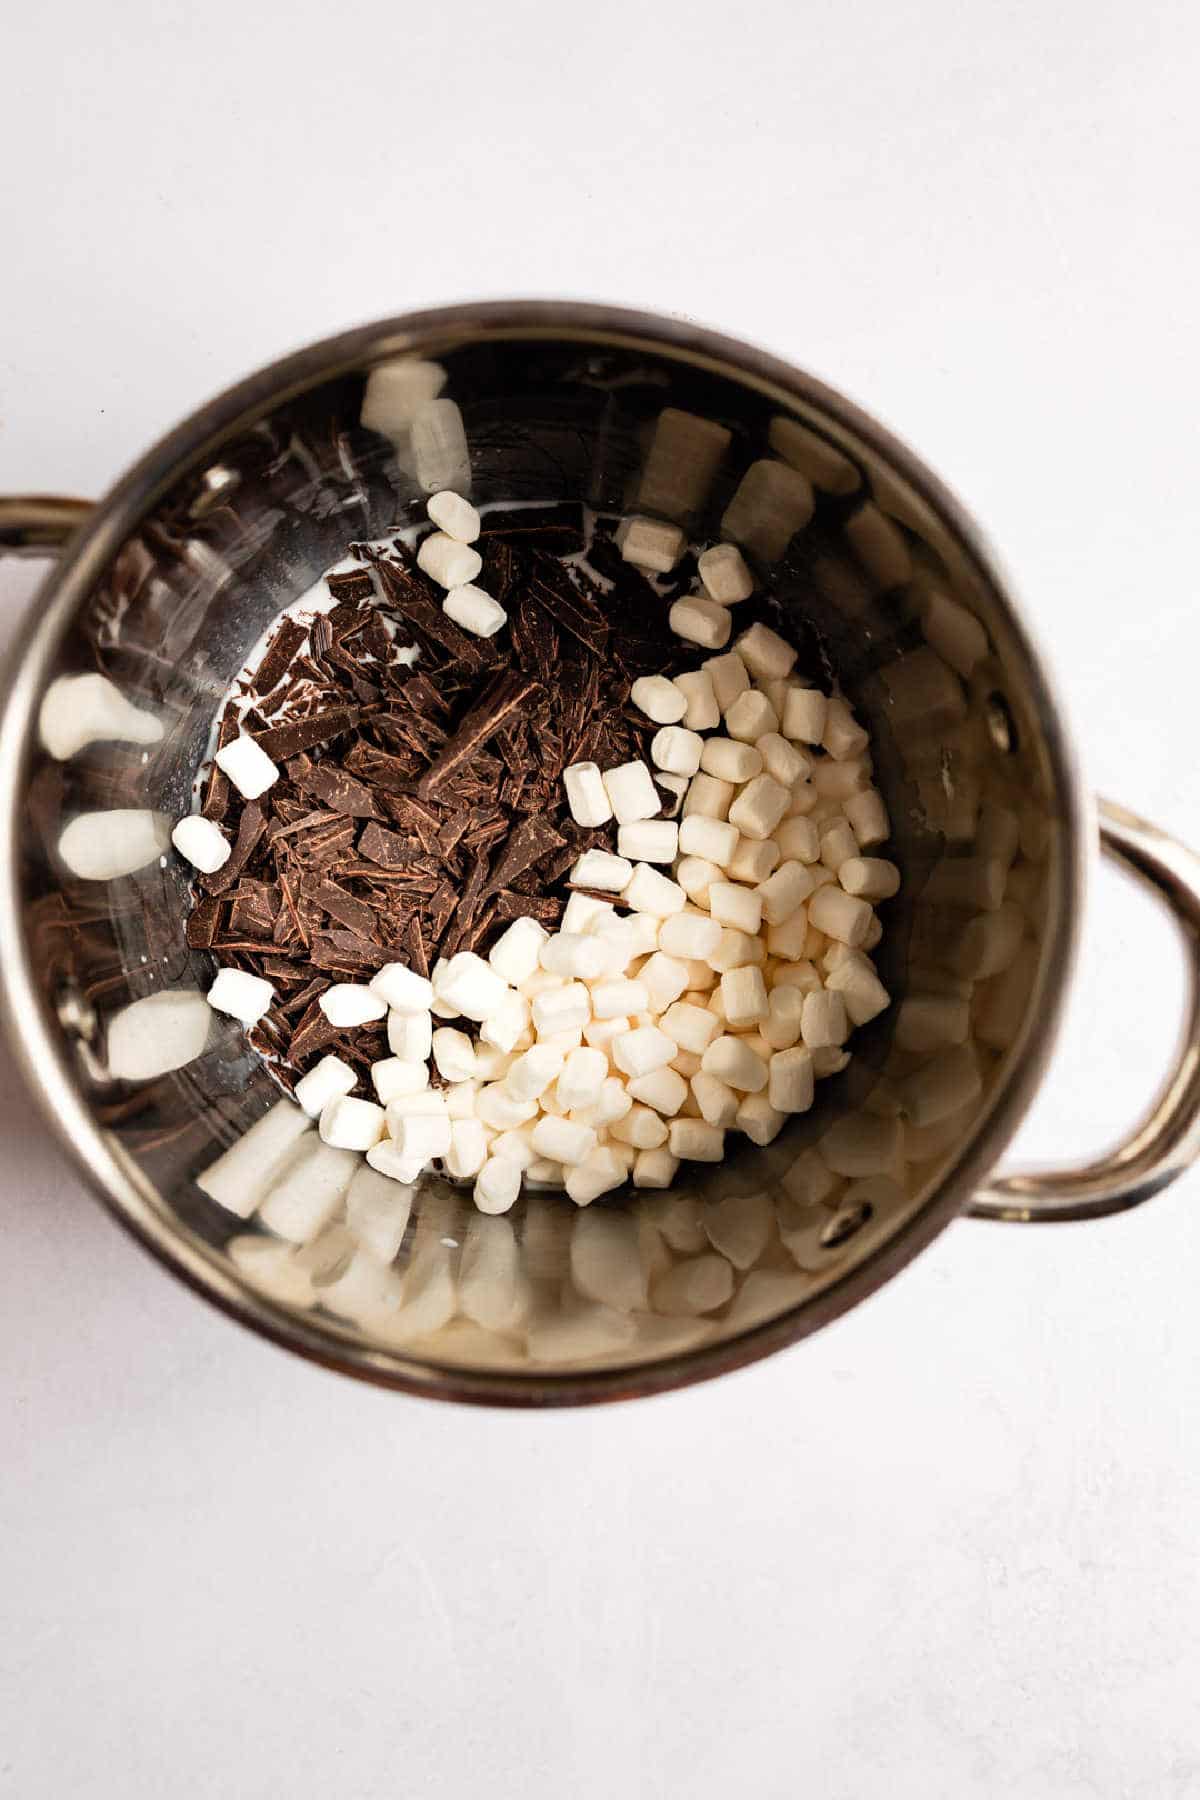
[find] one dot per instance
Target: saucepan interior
(888, 594)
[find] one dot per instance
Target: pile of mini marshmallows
(628, 1042)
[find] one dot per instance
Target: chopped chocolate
(203, 922)
(504, 697)
(282, 741)
(355, 914)
(532, 840)
(280, 651)
(251, 827)
(341, 792)
(351, 584)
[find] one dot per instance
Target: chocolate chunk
(203, 922)
(386, 848)
(251, 827)
(348, 911)
(503, 697)
(351, 584)
(282, 741)
(280, 651)
(341, 792)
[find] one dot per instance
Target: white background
(949, 1548)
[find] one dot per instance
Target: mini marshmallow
(714, 840)
(385, 1159)
(664, 978)
(692, 1140)
(759, 807)
(598, 1034)
(766, 655)
(579, 956)
(868, 818)
(695, 875)
(659, 698)
(587, 794)
(753, 860)
(454, 515)
(410, 1035)
(843, 736)
(582, 1079)
(348, 1004)
(750, 717)
(870, 877)
(514, 955)
(248, 766)
(838, 844)
(650, 892)
(631, 793)
(202, 843)
(863, 994)
(782, 1025)
(729, 678)
(691, 936)
(324, 1083)
(393, 1076)
(736, 950)
(475, 610)
(649, 841)
(654, 1169)
(724, 574)
(402, 989)
(823, 1021)
(740, 907)
(792, 939)
(686, 1063)
(459, 1098)
(618, 998)
(693, 1028)
(498, 1106)
(781, 759)
(702, 712)
(453, 1054)
(641, 1128)
(583, 912)
(514, 1144)
(708, 796)
(732, 1061)
(422, 1136)
(758, 1120)
(743, 996)
(533, 1071)
(716, 1100)
(650, 543)
(799, 841)
(562, 1141)
(242, 996)
(700, 621)
(840, 915)
(448, 562)
(349, 1124)
(506, 1023)
(497, 1185)
(663, 1089)
(469, 985)
(674, 790)
(566, 1008)
(730, 761)
(468, 1148)
(599, 1173)
(642, 1051)
(676, 750)
(600, 869)
(804, 800)
(804, 715)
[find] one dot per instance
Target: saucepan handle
(1167, 1140)
(39, 524)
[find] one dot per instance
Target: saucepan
(159, 591)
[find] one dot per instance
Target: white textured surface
(947, 1548)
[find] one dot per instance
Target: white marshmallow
(410, 1035)
(750, 717)
(650, 543)
(989, 944)
(785, 1010)
(469, 985)
(642, 1051)
(732, 1061)
(758, 1119)
(730, 761)
(700, 621)
(533, 1071)
(273, 1267)
(664, 1090)
(743, 996)
(870, 877)
(702, 712)
(664, 978)
(562, 1141)
(499, 1107)
(631, 793)
(838, 843)
(505, 1024)
(654, 1169)
(708, 796)
(394, 1075)
(650, 892)
(566, 1008)
(402, 989)
(649, 840)
(799, 841)
(583, 912)
(419, 1137)
(324, 1083)
(515, 1144)
(840, 915)
(600, 869)
(804, 715)
(497, 1185)
(202, 843)
(78, 710)
(693, 1028)
(248, 766)
(676, 750)
(695, 875)
(385, 1159)
(714, 840)
(724, 574)
(782, 760)
(641, 1128)
(599, 1173)
(598, 1034)
(766, 655)
(579, 956)
(348, 1004)
(587, 794)
(716, 1100)
(619, 998)
(350, 1124)
(740, 907)
(454, 515)
(475, 610)
(659, 699)
(514, 955)
(581, 1080)
(843, 737)
(753, 860)
(759, 807)
(643, 930)
(448, 562)
(459, 1098)
(453, 1054)
(242, 996)
(674, 789)
(468, 1148)
(863, 994)
(690, 935)
(736, 950)
(823, 1021)
(791, 939)
(612, 1103)
(729, 677)
(692, 1140)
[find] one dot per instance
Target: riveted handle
(39, 524)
